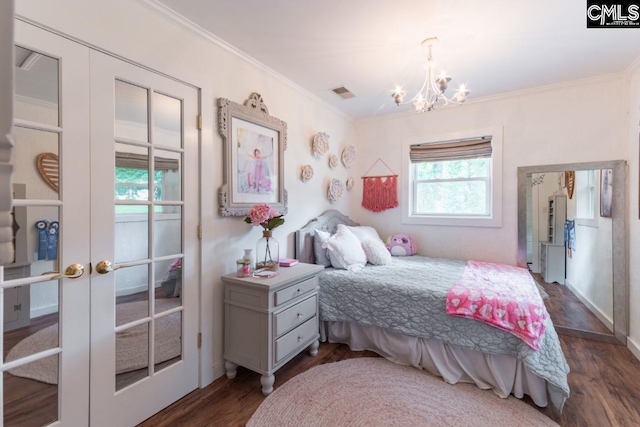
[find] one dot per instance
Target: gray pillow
(321, 254)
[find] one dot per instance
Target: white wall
(590, 268)
(177, 52)
(567, 123)
(634, 223)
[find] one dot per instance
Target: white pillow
(377, 253)
(321, 253)
(345, 250)
(364, 232)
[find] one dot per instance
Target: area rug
(132, 347)
(376, 392)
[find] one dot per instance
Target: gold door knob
(72, 272)
(105, 266)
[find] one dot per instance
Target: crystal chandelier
(432, 91)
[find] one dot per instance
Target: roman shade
(141, 161)
(462, 149)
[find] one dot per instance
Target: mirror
(575, 246)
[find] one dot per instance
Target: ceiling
(370, 46)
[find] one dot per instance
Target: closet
(552, 252)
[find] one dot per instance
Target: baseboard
(43, 311)
(596, 311)
(218, 371)
(135, 289)
(633, 347)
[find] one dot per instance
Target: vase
(248, 255)
(267, 252)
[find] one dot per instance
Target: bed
(397, 310)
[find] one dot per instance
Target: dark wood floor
(604, 383)
(567, 310)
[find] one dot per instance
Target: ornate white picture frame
(254, 144)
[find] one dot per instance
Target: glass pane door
(145, 292)
(42, 309)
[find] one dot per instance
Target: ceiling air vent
(343, 92)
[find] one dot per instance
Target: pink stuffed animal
(401, 245)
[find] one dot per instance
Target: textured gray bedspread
(409, 296)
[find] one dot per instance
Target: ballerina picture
(255, 167)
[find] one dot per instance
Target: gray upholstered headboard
(328, 221)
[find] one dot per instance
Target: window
(586, 197)
(452, 188)
(132, 181)
(454, 181)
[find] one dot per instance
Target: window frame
(494, 219)
(594, 200)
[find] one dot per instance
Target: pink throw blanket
(502, 296)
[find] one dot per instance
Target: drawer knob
(299, 315)
(298, 290)
(299, 338)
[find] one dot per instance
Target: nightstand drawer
(294, 291)
(296, 338)
(293, 316)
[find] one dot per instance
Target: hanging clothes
(570, 236)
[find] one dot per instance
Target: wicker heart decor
(49, 169)
(570, 181)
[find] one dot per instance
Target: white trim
(219, 371)
(633, 347)
(495, 220)
(143, 217)
(198, 31)
(43, 311)
(595, 310)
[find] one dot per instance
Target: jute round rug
(376, 392)
(132, 348)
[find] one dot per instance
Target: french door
(100, 304)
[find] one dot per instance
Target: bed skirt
(504, 374)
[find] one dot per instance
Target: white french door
(143, 241)
(105, 169)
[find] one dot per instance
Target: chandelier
(433, 88)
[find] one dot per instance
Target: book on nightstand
(288, 262)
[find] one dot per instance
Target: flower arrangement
(269, 218)
(266, 216)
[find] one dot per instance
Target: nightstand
(267, 322)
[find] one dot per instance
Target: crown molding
(204, 34)
(633, 67)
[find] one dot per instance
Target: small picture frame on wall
(254, 157)
(606, 192)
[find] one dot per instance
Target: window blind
(141, 161)
(451, 150)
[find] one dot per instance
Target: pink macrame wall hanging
(380, 192)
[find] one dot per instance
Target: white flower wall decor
(336, 188)
(348, 156)
(320, 144)
(306, 173)
(349, 183)
(333, 161)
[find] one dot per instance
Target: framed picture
(254, 157)
(606, 192)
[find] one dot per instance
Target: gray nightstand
(270, 321)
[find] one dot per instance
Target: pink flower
(264, 215)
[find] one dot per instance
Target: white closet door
(144, 216)
(45, 328)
